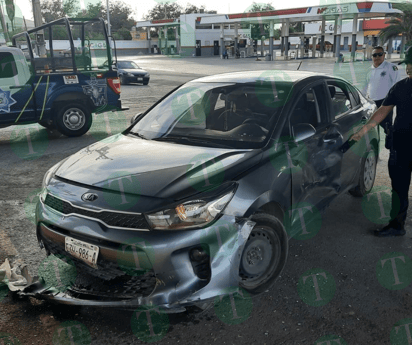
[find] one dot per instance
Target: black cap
(408, 57)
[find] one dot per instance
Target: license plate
(83, 251)
(139, 79)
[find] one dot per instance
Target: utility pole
(109, 31)
(4, 25)
(41, 44)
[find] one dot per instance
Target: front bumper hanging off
(173, 283)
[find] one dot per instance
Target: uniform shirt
(380, 79)
(400, 95)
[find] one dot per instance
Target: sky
(142, 7)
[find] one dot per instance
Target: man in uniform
(381, 76)
(400, 162)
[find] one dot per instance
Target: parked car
(68, 52)
(197, 197)
(130, 72)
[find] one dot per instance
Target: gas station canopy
(304, 14)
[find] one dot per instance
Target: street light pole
(4, 25)
(109, 31)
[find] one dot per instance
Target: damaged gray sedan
(200, 195)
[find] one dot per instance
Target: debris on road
(15, 276)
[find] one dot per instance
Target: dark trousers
(400, 174)
(388, 119)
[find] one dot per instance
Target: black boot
(391, 230)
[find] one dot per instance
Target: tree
(122, 34)
(400, 24)
(92, 11)
(296, 27)
(259, 30)
(164, 11)
(120, 15)
(10, 9)
(193, 9)
(52, 10)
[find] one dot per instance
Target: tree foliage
(52, 10)
(120, 14)
(164, 11)
(400, 24)
(172, 10)
(193, 9)
(260, 30)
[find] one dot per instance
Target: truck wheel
(264, 254)
(47, 124)
(367, 175)
(73, 120)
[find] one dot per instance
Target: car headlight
(130, 74)
(147, 75)
(189, 215)
(51, 172)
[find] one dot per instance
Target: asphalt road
(362, 289)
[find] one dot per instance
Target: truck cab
(58, 74)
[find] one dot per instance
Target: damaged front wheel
(264, 255)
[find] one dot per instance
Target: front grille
(125, 287)
(110, 218)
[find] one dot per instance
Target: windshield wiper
(192, 140)
(139, 135)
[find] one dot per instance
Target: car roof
(253, 76)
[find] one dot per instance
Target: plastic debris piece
(15, 277)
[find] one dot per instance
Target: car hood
(159, 169)
(134, 71)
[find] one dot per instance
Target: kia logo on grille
(89, 197)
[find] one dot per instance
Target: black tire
(367, 175)
(268, 245)
(145, 82)
(73, 120)
(47, 124)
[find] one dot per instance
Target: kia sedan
(130, 72)
(200, 196)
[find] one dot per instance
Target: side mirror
(134, 118)
(302, 131)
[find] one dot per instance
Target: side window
(341, 99)
(310, 108)
(7, 65)
(305, 109)
(354, 96)
(220, 102)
